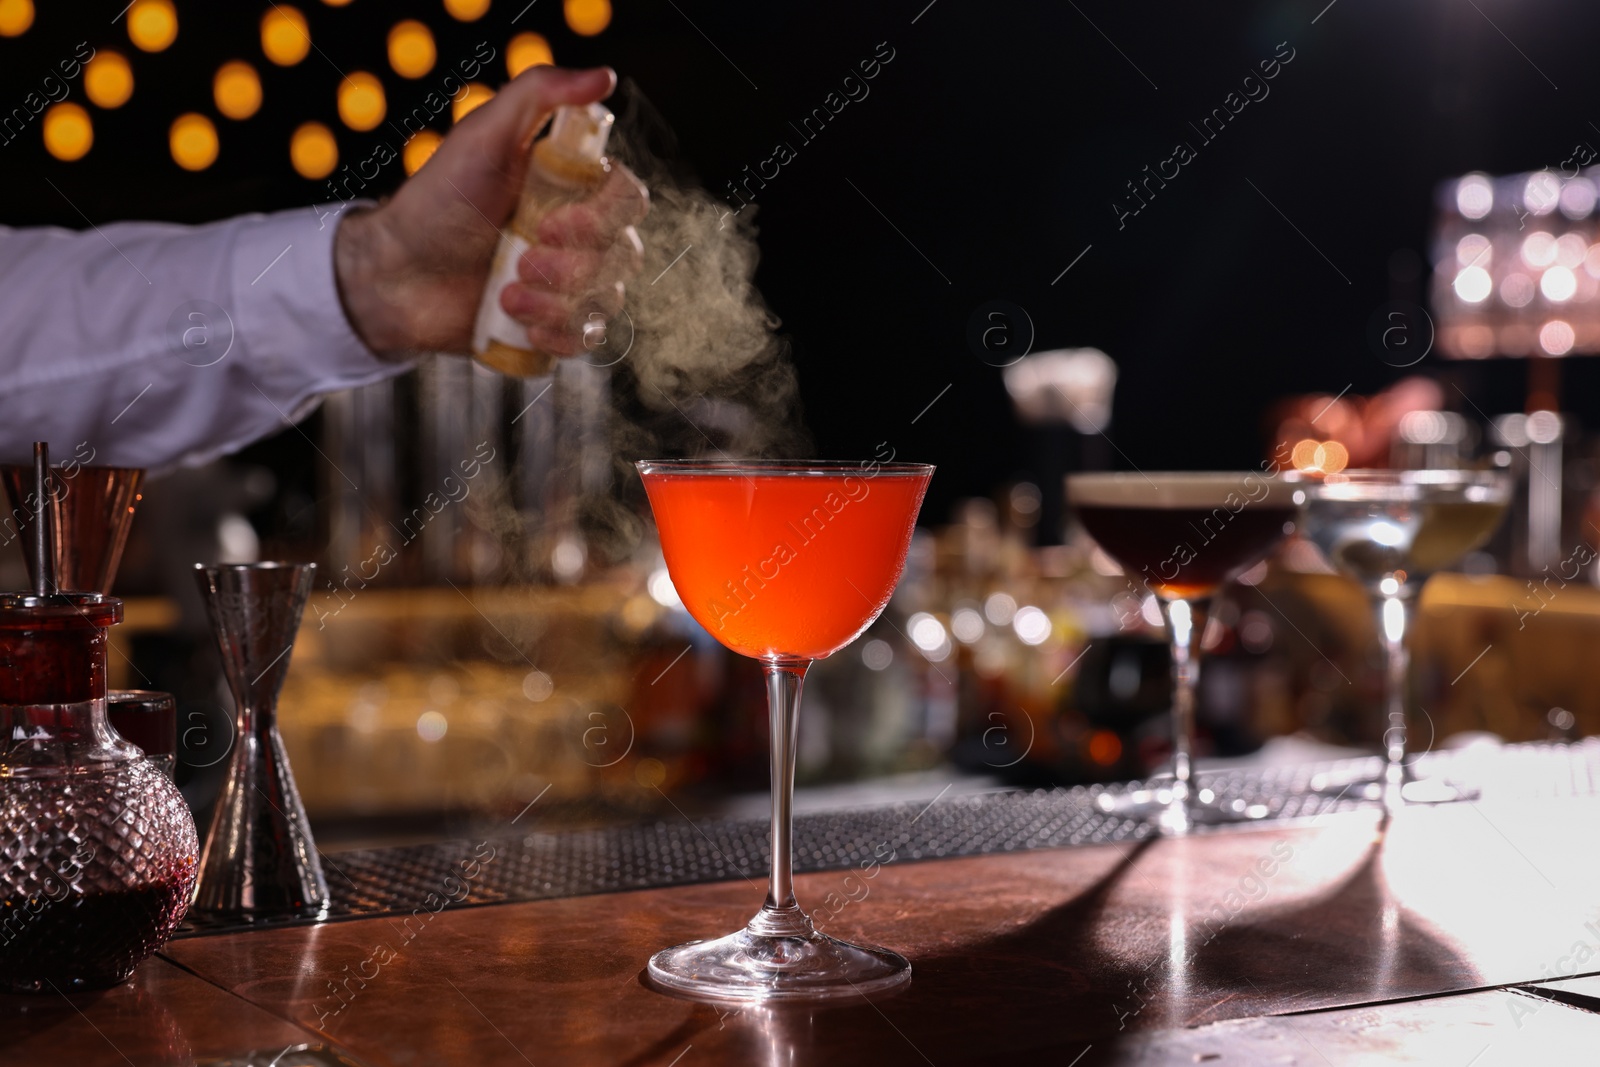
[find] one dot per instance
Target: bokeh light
(473, 97)
(1319, 457)
(1578, 198)
(237, 89)
(1544, 426)
(1542, 192)
(412, 52)
(1556, 337)
(877, 654)
(1474, 285)
(1031, 624)
(467, 10)
(1539, 249)
(1105, 747)
(193, 141)
(1000, 608)
(15, 17)
(1474, 250)
(432, 726)
(587, 17)
(1424, 427)
(928, 634)
(419, 149)
(1571, 249)
(361, 103)
(313, 151)
(1474, 196)
(285, 37)
(538, 686)
(567, 558)
(68, 133)
(1517, 290)
(152, 24)
(108, 79)
(967, 625)
(1255, 632)
(337, 3)
(1558, 284)
(659, 585)
(527, 50)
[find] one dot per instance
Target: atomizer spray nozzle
(579, 132)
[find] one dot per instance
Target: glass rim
(96, 609)
(1176, 489)
(1409, 486)
(1182, 476)
(258, 565)
(1449, 476)
(866, 468)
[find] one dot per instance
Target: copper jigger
(92, 509)
(258, 860)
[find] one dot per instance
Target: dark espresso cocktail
(1181, 536)
(1185, 538)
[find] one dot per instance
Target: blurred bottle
(1063, 398)
(565, 166)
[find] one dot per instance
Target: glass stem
(781, 916)
(1394, 624)
(1186, 626)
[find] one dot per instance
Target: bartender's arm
(153, 345)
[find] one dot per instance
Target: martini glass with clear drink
(1181, 537)
(787, 563)
(1390, 530)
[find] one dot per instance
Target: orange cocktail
(785, 562)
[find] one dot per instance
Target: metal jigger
(91, 510)
(259, 860)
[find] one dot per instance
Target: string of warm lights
(411, 49)
(236, 89)
(285, 38)
(152, 24)
(108, 80)
(15, 17)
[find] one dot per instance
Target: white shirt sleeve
(156, 345)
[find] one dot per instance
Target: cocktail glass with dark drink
(787, 563)
(1182, 537)
(1390, 530)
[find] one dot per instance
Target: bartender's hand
(411, 271)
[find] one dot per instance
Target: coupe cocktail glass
(1182, 536)
(785, 562)
(1390, 530)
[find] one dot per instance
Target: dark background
(995, 143)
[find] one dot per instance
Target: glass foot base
(1379, 788)
(749, 967)
(1173, 812)
(1435, 791)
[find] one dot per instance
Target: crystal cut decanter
(98, 849)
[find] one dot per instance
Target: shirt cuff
(298, 339)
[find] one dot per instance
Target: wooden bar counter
(1449, 936)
